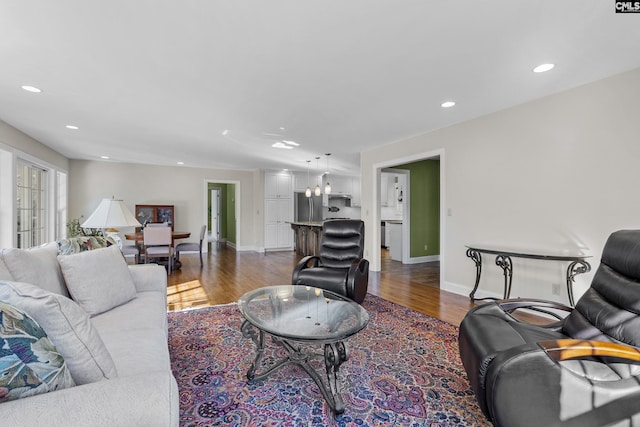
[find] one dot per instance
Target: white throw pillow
(37, 266)
(67, 326)
(98, 280)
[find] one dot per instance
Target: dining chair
(192, 246)
(158, 244)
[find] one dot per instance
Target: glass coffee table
(297, 316)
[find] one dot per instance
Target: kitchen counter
(307, 237)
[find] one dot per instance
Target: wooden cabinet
(146, 214)
(277, 185)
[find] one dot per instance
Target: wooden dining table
(138, 236)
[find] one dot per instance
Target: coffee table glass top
(303, 313)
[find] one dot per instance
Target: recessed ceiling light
(104, 157)
(282, 145)
(543, 67)
(281, 128)
(295, 144)
(72, 127)
(225, 132)
(447, 104)
(181, 163)
(31, 89)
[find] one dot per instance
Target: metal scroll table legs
(477, 258)
(575, 268)
(334, 355)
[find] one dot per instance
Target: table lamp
(108, 216)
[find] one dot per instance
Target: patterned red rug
(403, 370)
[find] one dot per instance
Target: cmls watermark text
(628, 7)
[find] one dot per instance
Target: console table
(577, 264)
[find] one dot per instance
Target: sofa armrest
(149, 399)
(149, 277)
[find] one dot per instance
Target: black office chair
(583, 370)
(339, 267)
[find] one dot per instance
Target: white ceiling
(158, 81)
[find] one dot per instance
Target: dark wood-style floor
(228, 274)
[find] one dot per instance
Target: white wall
(12, 137)
(185, 188)
(562, 171)
(16, 145)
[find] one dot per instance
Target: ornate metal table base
(335, 354)
(577, 266)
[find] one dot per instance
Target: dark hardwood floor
(228, 274)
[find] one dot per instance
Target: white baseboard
(466, 290)
(421, 259)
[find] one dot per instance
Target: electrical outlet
(555, 289)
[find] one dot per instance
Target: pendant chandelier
(317, 191)
(308, 190)
(327, 186)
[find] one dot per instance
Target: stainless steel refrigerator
(308, 208)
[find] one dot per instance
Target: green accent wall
(227, 210)
(424, 212)
(231, 213)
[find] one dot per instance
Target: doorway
(221, 213)
(424, 218)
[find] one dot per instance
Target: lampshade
(111, 213)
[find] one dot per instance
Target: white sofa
(141, 390)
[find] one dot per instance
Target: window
(31, 204)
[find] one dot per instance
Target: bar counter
(307, 237)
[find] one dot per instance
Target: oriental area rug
(403, 370)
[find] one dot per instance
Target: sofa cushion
(98, 280)
(37, 266)
(29, 362)
(74, 245)
(4, 272)
(68, 327)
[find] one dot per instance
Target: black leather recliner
(339, 267)
(580, 371)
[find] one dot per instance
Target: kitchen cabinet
(277, 185)
(394, 241)
(356, 192)
(340, 184)
(278, 210)
(278, 214)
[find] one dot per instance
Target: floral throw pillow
(74, 245)
(29, 362)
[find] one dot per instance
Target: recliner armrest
(358, 279)
(540, 305)
(309, 261)
(568, 349)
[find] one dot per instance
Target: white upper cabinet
(277, 185)
(356, 192)
(340, 184)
